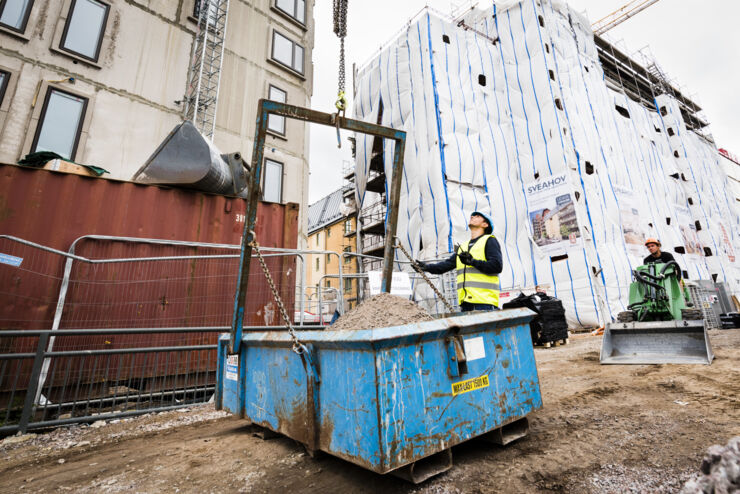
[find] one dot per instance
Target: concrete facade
(135, 89)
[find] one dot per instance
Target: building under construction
(516, 109)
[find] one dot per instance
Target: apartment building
(103, 82)
(331, 231)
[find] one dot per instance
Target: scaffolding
(204, 75)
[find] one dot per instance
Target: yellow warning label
(469, 385)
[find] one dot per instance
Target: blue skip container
(391, 399)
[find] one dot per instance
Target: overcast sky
(697, 44)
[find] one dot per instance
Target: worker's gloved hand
(466, 258)
(422, 265)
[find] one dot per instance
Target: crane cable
(340, 29)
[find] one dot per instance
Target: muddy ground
(605, 429)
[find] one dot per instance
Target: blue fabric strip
(439, 130)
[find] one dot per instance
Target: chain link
(298, 346)
(340, 29)
(418, 269)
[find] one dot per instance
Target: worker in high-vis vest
(478, 264)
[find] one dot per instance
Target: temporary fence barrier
(171, 299)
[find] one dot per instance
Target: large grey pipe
(187, 159)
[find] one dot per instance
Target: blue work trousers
(467, 306)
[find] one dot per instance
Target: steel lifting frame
(266, 108)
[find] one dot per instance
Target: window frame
(6, 93)
(270, 87)
(291, 67)
(42, 116)
(22, 30)
(264, 178)
(303, 24)
(4, 84)
(101, 36)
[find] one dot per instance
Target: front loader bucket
(659, 342)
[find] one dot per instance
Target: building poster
(633, 227)
(688, 232)
(727, 243)
(552, 214)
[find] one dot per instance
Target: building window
(347, 259)
(317, 263)
(347, 286)
(14, 14)
(212, 10)
(347, 226)
(287, 52)
(328, 232)
(276, 123)
(318, 238)
(293, 8)
(328, 259)
(4, 78)
(60, 123)
(272, 181)
(83, 32)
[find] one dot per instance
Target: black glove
(466, 258)
(422, 265)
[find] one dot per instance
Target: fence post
(34, 383)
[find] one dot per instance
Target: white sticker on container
(232, 367)
(474, 348)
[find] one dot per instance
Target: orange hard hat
(652, 241)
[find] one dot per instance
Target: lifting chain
(340, 29)
(298, 346)
(416, 267)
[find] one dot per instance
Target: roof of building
(325, 211)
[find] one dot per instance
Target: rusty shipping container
(55, 209)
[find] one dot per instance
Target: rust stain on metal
(58, 208)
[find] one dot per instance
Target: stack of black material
(731, 320)
(550, 324)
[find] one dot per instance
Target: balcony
(376, 182)
(372, 218)
(373, 245)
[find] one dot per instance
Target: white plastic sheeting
(521, 97)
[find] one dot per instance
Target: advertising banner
(552, 214)
(688, 232)
(727, 244)
(633, 227)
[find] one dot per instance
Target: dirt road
(605, 429)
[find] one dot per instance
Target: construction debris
(381, 311)
(720, 470)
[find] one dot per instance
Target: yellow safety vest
(474, 286)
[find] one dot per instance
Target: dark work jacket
(662, 259)
(492, 265)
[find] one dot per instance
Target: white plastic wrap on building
(498, 114)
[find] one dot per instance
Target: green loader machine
(661, 325)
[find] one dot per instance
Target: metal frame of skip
(267, 108)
